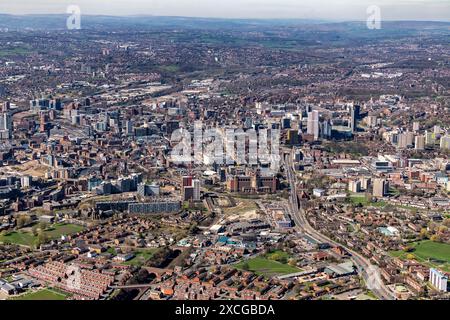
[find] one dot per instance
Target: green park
(26, 237)
(429, 253)
(271, 264)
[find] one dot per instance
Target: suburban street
(380, 290)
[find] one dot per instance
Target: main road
(367, 270)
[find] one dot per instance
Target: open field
(268, 266)
(432, 254)
(43, 294)
(361, 199)
(141, 257)
(20, 238)
(244, 208)
(26, 238)
(60, 229)
(14, 51)
(32, 168)
(357, 199)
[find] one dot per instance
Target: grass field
(14, 52)
(170, 68)
(268, 266)
(141, 257)
(57, 230)
(21, 238)
(53, 232)
(356, 199)
(432, 254)
(44, 294)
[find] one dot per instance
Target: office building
(5, 125)
(380, 188)
(286, 124)
(6, 106)
(154, 207)
(55, 104)
(313, 124)
(196, 191)
(354, 116)
(326, 129)
(293, 137)
(188, 193)
(186, 181)
(145, 190)
(354, 186)
(429, 138)
(419, 142)
(439, 280)
(445, 142)
(129, 128)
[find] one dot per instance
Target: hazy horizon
(339, 10)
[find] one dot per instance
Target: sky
(303, 9)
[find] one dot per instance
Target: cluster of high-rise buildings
(415, 139)
(190, 189)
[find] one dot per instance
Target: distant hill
(55, 22)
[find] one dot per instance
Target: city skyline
(179, 159)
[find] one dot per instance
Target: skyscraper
(419, 142)
(188, 188)
(5, 125)
(405, 139)
(196, 185)
(354, 113)
(292, 137)
(439, 280)
(326, 129)
(6, 106)
(445, 142)
(129, 127)
(380, 188)
(402, 141)
(429, 138)
(313, 124)
(187, 181)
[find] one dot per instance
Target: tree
(245, 266)
(21, 221)
(292, 262)
(140, 277)
(43, 225)
(443, 229)
(193, 228)
(423, 233)
(42, 238)
(275, 256)
(308, 286)
(282, 259)
(35, 230)
(435, 238)
(446, 222)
